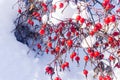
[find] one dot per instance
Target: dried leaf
(101, 66)
(31, 7)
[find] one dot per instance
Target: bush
(63, 27)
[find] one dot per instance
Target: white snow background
(15, 64)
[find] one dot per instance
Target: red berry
(66, 64)
(111, 58)
(30, 22)
(63, 42)
(63, 51)
(49, 38)
(118, 10)
(107, 20)
(92, 33)
(77, 58)
(95, 29)
(97, 44)
(89, 50)
(85, 72)
(73, 29)
(61, 5)
(62, 24)
(34, 13)
(108, 7)
(115, 33)
(91, 54)
(49, 44)
(86, 58)
(63, 66)
(45, 9)
(43, 4)
(51, 30)
(19, 11)
(49, 70)
(77, 33)
(73, 55)
(101, 56)
(38, 46)
(46, 50)
(70, 20)
(57, 49)
(69, 43)
(53, 52)
(112, 18)
(101, 78)
(82, 20)
(42, 31)
(68, 34)
(78, 17)
(104, 3)
(37, 14)
(110, 39)
(55, 37)
(44, 26)
(57, 78)
(98, 25)
(96, 54)
(107, 1)
(54, 6)
(88, 24)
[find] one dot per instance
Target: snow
(15, 64)
(69, 10)
(84, 12)
(55, 1)
(44, 18)
(88, 42)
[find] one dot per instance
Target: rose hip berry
(86, 58)
(61, 5)
(69, 43)
(85, 72)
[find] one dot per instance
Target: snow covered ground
(14, 63)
